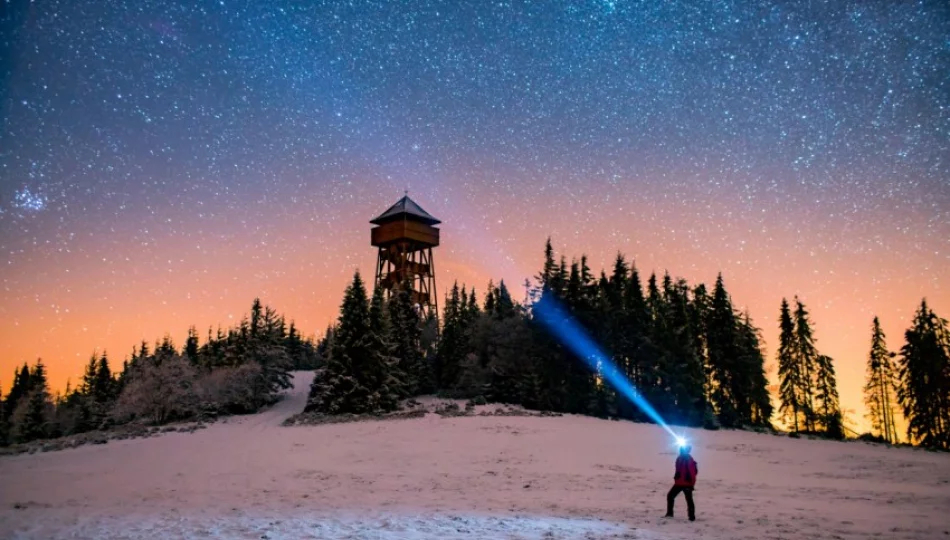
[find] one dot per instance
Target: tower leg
(433, 297)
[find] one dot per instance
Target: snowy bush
(32, 417)
(230, 389)
(158, 392)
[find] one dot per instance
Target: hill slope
(471, 477)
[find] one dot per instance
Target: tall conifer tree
(826, 396)
(806, 356)
(790, 372)
(879, 391)
(924, 391)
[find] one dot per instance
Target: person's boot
(692, 518)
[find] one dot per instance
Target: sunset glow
(161, 167)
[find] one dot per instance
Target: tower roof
(405, 207)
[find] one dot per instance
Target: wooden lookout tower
(405, 235)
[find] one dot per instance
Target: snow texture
(406, 526)
(472, 477)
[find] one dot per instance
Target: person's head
(685, 450)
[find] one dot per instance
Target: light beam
(563, 327)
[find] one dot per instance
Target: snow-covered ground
(470, 477)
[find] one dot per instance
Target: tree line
(235, 371)
(916, 381)
(687, 350)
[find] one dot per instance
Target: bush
(230, 389)
(159, 392)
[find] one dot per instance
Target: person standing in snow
(683, 480)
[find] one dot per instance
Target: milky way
(162, 163)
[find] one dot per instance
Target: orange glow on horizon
(163, 288)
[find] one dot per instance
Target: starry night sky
(163, 163)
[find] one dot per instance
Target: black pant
(674, 491)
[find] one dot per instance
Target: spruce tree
(826, 396)
(721, 328)
(88, 383)
(295, 348)
(450, 348)
(685, 380)
(698, 315)
(806, 356)
(490, 298)
(264, 343)
(191, 346)
(638, 349)
(924, 390)
(19, 390)
(790, 372)
(751, 361)
(879, 391)
(618, 336)
(406, 339)
(504, 305)
(103, 389)
(394, 381)
(354, 377)
(472, 312)
(34, 414)
(578, 378)
(549, 271)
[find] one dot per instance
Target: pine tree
(406, 339)
(639, 348)
(103, 389)
(450, 347)
(354, 377)
(301, 352)
(879, 391)
(33, 416)
(89, 376)
(504, 305)
(924, 390)
(751, 361)
(191, 346)
(722, 356)
(578, 378)
(686, 377)
(472, 312)
(790, 373)
(19, 390)
(826, 396)
(490, 298)
(265, 345)
(256, 321)
(617, 334)
(549, 272)
(395, 383)
(806, 356)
